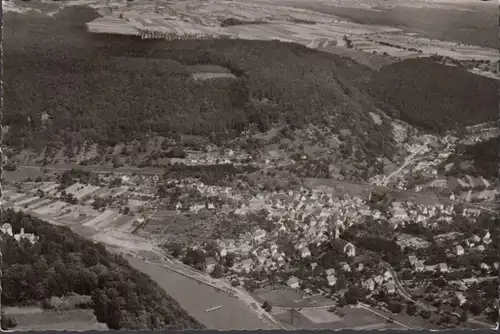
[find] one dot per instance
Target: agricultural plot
(52, 209)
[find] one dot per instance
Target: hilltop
(62, 264)
(103, 100)
(121, 89)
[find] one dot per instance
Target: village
(374, 249)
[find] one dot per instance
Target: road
(405, 295)
(407, 161)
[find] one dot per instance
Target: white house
(443, 267)
(459, 250)
(419, 266)
(6, 229)
(487, 238)
(369, 284)
(412, 259)
(246, 265)
(330, 271)
(293, 282)
(345, 247)
(485, 266)
(259, 235)
(331, 280)
(390, 287)
(305, 252)
(346, 267)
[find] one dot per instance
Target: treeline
(62, 262)
(436, 97)
(484, 155)
(92, 97)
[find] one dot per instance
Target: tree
(395, 307)
(217, 272)
(62, 263)
(425, 314)
(464, 317)
(411, 309)
(267, 306)
(475, 308)
(352, 296)
(8, 322)
(229, 260)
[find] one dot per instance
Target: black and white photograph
(250, 165)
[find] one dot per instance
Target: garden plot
(319, 316)
(49, 187)
(26, 200)
(38, 203)
(113, 192)
(123, 240)
(79, 214)
(52, 209)
(79, 190)
(107, 215)
(124, 223)
(12, 197)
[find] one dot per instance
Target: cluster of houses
(404, 212)
(7, 229)
(213, 157)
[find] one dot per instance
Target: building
(412, 259)
(305, 252)
(369, 284)
(390, 287)
(345, 266)
(459, 250)
(331, 280)
(7, 229)
(443, 267)
(330, 271)
(293, 282)
(419, 266)
(246, 265)
(345, 247)
(379, 279)
(259, 235)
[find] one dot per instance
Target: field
(392, 29)
(35, 319)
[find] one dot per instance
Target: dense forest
(434, 96)
(484, 156)
(92, 96)
(109, 89)
(62, 262)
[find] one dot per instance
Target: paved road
(405, 295)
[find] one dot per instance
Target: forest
(108, 89)
(61, 263)
(92, 96)
(485, 158)
(436, 97)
